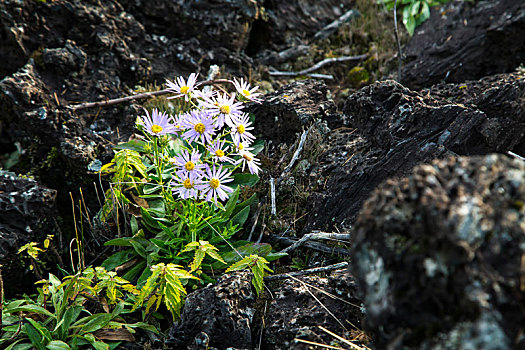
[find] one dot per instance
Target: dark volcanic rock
(397, 128)
(438, 256)
(290, 109)
(462, 41)
(218, 315)
(27, 214)
(295, 313)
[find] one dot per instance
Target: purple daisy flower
(223, 107)
(218, 151)
(243, 88)
(190, 163)
(213, 184)
(199, 125)
(186, 184)
(247, 158)
(240, 130)
(158, 123)
(183, 88)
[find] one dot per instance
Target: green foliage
(258, 265)
(164, 284)
(59, 318)
(414, 12)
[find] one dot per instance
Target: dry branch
(137, 97)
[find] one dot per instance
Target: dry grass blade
(352, 345)
(318, 344)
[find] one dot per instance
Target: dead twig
(257, 214)
(400, 54)
(316, 235)
(332, 27)
(277, 73)
(272, 196)
(332, 60)
(318, 65)
(313, 245)
(512, 154)
(306, 272)
(137, 97)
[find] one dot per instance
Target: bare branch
(137, 97)
(306, 272)
(316, 235)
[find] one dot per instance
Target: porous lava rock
(466, 41)
(65, 52)
(291, 109)
(299, 307)
(387, 129)
(217, 316)
(27, 214)
(439, 256)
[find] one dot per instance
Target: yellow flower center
(184, 89)
(188, 184)
(247, 156)
(156, 128)
(246, 92)
(219, 153)
(240, 147)
(200, 128)
(215, 183)
(240, 129)
(225, 109)
(189, 166)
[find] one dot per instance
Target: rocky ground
(416, 170)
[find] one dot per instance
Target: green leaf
(243, 179)
(57, 345)
(144, 326)
(16, 346)
(118, 258)
(98, 321)
(32, 308)
(134, 225)
(257, 146)
(139, 248)
(232, 201)
(70, 316)
(123, 242)
(134, 271)
(98, 345)
(34, 336)
(134, 145)
(240, 217)
(425, 13)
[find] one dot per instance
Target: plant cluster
(414, 12)
(180, 187)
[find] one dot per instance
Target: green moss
(358, 76)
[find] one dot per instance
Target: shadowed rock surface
(438, 256)
(27, 214)
(396, 128)
(218, 315)
(295, 313)
(464, 41)
(291, 109)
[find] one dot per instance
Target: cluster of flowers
(219, 127)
